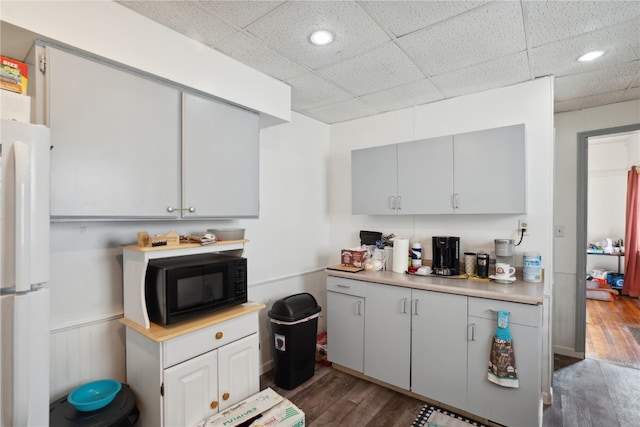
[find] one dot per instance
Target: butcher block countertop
(160, 333)
(518, 291)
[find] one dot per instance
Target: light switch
(559, 231)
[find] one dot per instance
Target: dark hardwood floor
(607, 336)
(587, 393)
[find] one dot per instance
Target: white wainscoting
(564, 314)
(86, 352)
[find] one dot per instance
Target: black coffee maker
(446, 255)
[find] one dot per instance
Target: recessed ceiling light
(321, 37)
(590, 56)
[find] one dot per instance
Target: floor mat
(433, 416)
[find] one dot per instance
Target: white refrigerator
(24, 272)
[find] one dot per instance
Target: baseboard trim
(566, 351)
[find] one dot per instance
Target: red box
(352, 258)
(13, 75)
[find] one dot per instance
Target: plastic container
(294, 327)
(532, 267)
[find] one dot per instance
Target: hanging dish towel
(502, 360)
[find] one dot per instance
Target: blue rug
(433, 416)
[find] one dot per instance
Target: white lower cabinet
(521, 406)
(437, 345)
(387, 334)
(189, 389)
(185, 379)
(345, 321)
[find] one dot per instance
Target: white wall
(568, 125)
(530, 103)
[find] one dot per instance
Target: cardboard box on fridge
(353, 257)
(13, 75)
(266, 408)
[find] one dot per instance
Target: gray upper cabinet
(374, 180)
(490, 171)
(220, 159)
(482, 172)
(127, 146)
(114, 137)
(425, 176)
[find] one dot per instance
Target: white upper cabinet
(220, 159)
(482, 172)
(115, 140)
(490, 171)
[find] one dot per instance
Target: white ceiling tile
(375, 70)
(485, 33)
(185, 17)
(240, 13)
(549, 21)
(407, 95)
(618, 77)
(246, 49)
(404, 17)
(560, 58)
(489, 75)
(287, 30)
(589, 101)
(342, 111)
(309, 91)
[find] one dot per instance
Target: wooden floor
(334, 398)
(607, 337)
(587, 393)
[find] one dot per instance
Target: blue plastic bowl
(94, 395)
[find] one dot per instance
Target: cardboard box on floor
(264, 409)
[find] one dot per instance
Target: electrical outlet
(523, 225)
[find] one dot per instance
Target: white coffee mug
(504, 271)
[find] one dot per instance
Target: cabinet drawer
(195, 343)
(345, 286)
(521, 314)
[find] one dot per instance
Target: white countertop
(518, 291)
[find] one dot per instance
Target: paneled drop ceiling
(389, 55)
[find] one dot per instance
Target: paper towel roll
(400, 254)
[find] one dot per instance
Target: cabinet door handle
(471, 332)
(172, 209)
(404, 305)
(359, 311)
(225, 396)
(455, 201)
(219, 335)
(214, 404)
(399, 202)
(415, 306)
(392, 202)
(344, 286)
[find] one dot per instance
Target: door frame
(581, 226)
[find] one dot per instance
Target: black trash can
(294, 326)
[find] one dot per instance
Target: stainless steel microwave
(182, 287)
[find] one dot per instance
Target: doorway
(605, 326)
